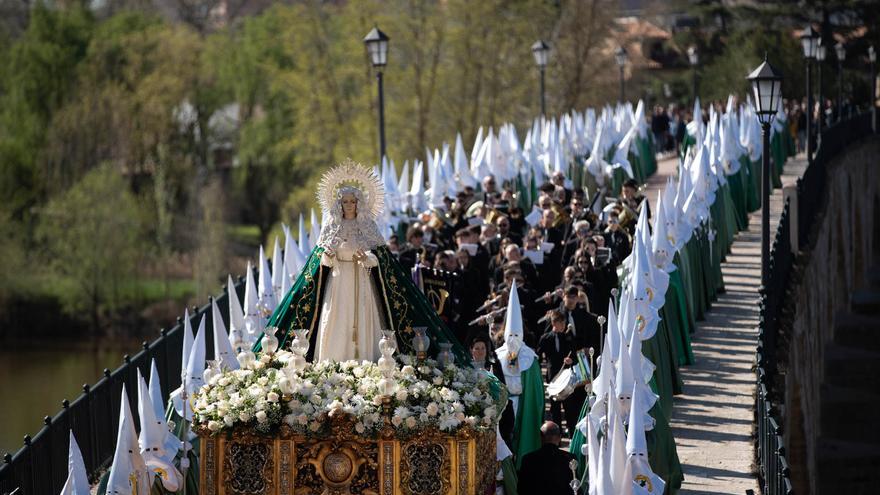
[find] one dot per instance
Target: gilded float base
(341, 463)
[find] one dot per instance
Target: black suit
(586, 328)
(410, 255)
(545, 472)
(555, 347)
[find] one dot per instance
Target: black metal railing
(773, 470)
(40, 466)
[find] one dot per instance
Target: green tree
(92, 235)
(38, 75)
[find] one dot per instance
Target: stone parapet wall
(843, 245)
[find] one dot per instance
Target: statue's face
(349, 206)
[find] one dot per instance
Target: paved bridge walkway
(712, 420)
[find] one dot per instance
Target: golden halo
(350, 173)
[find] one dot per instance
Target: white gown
(350, 325)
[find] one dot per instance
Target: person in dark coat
(557, 347)
(585, 333)
(415, 249)
(546, 471)
(585, 330)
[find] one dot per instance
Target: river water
(34, 381)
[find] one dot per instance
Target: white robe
(350, 325)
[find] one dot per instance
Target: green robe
(675, 314)
(404, 306)
(530, 414)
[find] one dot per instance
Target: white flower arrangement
(268, 393)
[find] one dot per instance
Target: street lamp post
(541, 51)
(694, 60)
(810, 41)
(841, 56)
(766, 85)
(377, 46)
(872, 57)
(621, 57)
(820, 58)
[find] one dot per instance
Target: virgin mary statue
(352, 287)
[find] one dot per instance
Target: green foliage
(38, 74)
(12, 278)
(744, 51)
(93, 237)
(237, 125)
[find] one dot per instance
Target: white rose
(214, 425)
(402, 394)
(272, 397)
(257, 365)
(411, 422)
(228, 420)
(244, 416)
(261, 416)
(359, 427)
(432, 409)
(396, 420)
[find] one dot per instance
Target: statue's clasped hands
(365, 258)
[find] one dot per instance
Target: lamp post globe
(694, 61)
(766, 85)
(810, 43)
(621, 57)
(377, 46)
(541, 52)
(693, 55)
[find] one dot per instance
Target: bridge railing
(773, 470)
(40, 466)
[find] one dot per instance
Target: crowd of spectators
(562, 256)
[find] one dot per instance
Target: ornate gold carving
(340, 462)
(248, 466)
(426, 464)
(285, 461)
(388, 469)
(463, 466)
(337, 467)
(209, 461)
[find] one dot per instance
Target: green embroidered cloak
(404, 306)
